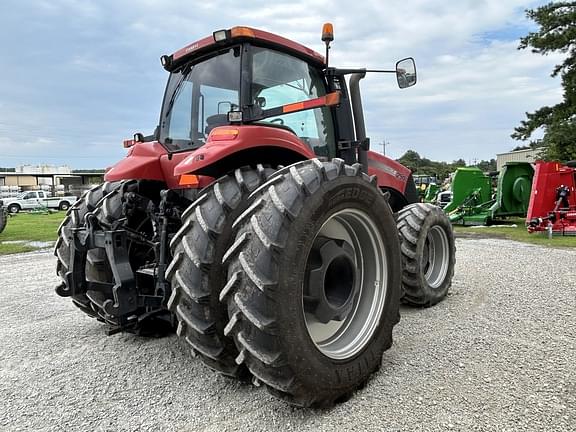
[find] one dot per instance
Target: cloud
(85, 63)
(85, 74)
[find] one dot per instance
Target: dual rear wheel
(293, 279)
(106, 203)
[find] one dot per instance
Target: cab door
(30, 200)
(280, 79)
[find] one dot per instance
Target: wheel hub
(344, 287)
(331, 290)
(436, 257)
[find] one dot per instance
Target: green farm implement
(431, 193)
(475, 203)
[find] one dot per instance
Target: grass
(518, 233)
(29, 227)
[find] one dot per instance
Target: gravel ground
(498, 354)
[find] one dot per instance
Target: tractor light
(138, 138)
(242, 32)
(190, 180)
(221, 35)
(223, 134)
(235, 116)
(166, 61)
(327, 32)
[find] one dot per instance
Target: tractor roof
(234, 35)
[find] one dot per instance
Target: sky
(77, 77)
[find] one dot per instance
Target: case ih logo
(191, 48)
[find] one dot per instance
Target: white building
(54, 179)
(43, 169)
(528, 155)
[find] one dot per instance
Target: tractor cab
(245, 76)
(245, 97)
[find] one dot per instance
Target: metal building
(529, 155)
(54, 180)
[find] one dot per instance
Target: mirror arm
(381, 71)
(335, 71)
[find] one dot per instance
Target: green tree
(411, 159)
(424, 166)
(557, 33)
(487, 166)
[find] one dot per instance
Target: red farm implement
(553, 201)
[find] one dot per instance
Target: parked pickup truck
(37, 199)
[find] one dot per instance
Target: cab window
(279, 79)
(198, 98)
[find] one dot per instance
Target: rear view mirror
(406, 72)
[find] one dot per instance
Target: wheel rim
(436, 257)
(343, 339)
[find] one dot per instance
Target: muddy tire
(197, 273)
(88, 202)
(314, 283)
(112, 213)
(106, 204)
(428, 254)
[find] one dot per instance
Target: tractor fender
(141, 162)
(151, 161)
(229, 147)
(392, 175)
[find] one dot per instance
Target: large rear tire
(107, 204)
(88, 202)
(197, 273)
(115, 212)
(314, 282)
(428, 254)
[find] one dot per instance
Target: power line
(384, 144)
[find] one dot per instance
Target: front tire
(313, 283)
(428, 254)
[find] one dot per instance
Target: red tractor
(257, 219)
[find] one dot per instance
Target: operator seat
(215, 121)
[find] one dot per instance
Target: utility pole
(384, 143)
